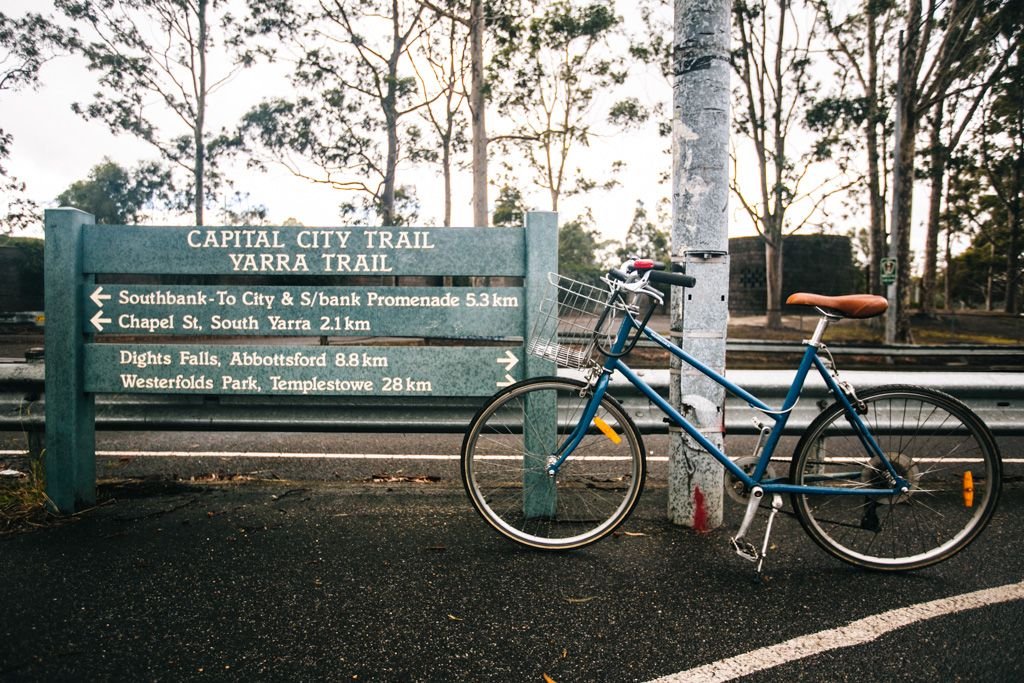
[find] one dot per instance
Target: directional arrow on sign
(509, 360)
(98, 320)
(509, 380)
(98, 297)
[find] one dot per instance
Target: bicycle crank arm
(744, 548)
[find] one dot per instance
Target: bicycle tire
(505, 453)
(934, 441)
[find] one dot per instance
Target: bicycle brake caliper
(851, 396)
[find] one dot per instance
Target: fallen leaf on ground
(580, 601)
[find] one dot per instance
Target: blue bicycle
(892, 478)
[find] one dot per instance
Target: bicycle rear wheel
(935, 442)
(508, 447)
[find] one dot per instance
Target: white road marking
(855, 633)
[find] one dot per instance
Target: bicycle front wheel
(514, 438)
(933, 441)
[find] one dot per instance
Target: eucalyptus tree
(850, 118)
(579, 250)
(352, 121)
(160, 65)
(444, 57)
(471, 16)
(27, 42)
(546, 74)
(773, 59)
(933, 44)
(115, 195)
(1000, 153)
(981, 61)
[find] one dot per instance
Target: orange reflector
(607, 430)
(968, 489)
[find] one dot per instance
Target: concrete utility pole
(700, 240)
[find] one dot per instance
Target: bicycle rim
(506, 452)
(936, 443)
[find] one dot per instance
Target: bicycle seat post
(819, 331)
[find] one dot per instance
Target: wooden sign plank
(300, 370)
(282, 251)
(452, 312)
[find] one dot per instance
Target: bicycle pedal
(745, 550)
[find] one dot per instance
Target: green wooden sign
(110, 288)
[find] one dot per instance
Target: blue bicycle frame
(614, 363)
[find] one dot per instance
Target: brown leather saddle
(845, 306)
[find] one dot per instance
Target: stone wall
(822, 264)
(21, 276)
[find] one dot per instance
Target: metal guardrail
(1010, 354)
(998, 398)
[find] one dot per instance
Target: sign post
(70, 435)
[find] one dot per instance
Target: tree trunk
(897, 324)
(1011, 301)
(477, 109)
(390, 106)
(947, 295)
(903, 202)
(876, 205)
(773, 281)
(447, 169)
(936, 177)
(198, 133)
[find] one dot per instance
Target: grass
(23, 500)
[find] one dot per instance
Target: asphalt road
(401, 581)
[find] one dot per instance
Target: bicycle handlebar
(655, 273)
(677, 279)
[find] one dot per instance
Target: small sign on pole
(888, 267)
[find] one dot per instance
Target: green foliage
(509, 207)
(578, 248)
(26, 43)
(645, 239)
(119, 196)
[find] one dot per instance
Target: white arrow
(98, 320)
(98, 297)
(509, 380)
(509, 360)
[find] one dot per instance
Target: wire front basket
(573, 322)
